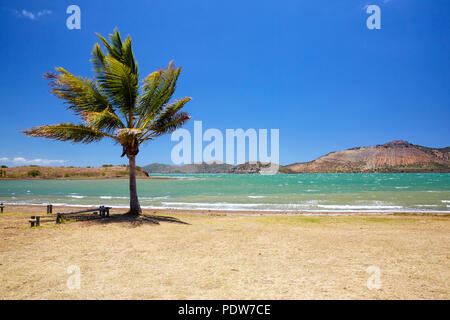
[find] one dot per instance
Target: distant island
(392, 157)
(396, 156)
(245, 168)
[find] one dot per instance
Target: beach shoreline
(41, 208)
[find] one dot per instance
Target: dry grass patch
(228, 257)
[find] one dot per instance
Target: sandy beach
(222, 255)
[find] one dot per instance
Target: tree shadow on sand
(137, 220)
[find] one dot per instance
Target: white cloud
(44, 12)
(22, 161)
(29, 14)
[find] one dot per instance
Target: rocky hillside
(250, 168)
(395, 156)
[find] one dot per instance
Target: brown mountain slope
(395, 156)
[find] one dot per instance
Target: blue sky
(309, 68)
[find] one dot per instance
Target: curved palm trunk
(135, 208)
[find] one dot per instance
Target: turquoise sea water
(299, 192)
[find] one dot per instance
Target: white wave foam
(225, 205)
(157, 198)
(256, 197)
(272, 207)
(427, 205)
(288, 208)
(348, 206)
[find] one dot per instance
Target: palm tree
(116, 105)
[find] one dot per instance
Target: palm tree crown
(116, 105)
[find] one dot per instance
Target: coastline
(179, 176)
(89, 178)
(40, 208)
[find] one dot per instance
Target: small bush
(33, 173)
(107, 165)
(4, 167)
(86, 174)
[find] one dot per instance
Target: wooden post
(49, 208)
(38, 221)
(1, 207)
(107, 212)
(33, 221)
(58, 218)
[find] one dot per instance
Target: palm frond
(116, 43)
(158, 89)
(67, 132)
(170, 119)
(168, 124)
(118, 50)
(82, 95)
(128, 56)
(106, 120)
(111, 51)
(122, 86)
(98, 59)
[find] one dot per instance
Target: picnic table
(100, 212)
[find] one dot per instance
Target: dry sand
(220, 256)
